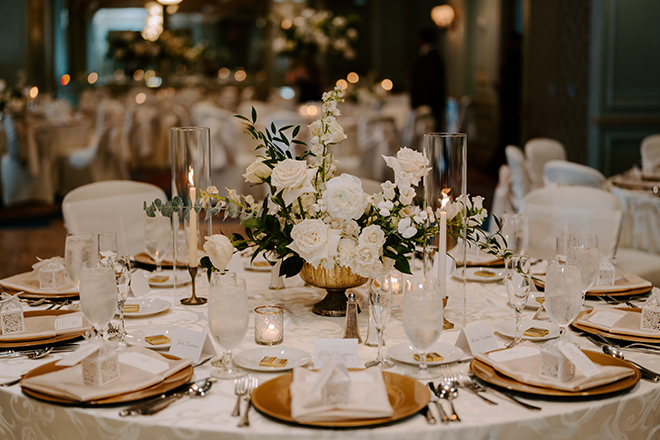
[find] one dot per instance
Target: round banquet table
(635, 414)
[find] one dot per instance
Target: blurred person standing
(429, 81)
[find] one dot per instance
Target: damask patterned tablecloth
(633, 415)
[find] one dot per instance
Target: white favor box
(651, 315)
(101, 367)
(554, 364)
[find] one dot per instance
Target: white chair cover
(650, 150)
(113, 205)
(569, 173)
(559, 211)
(377, 136)
(502, 197)
(223, 136)
(420, 121)
(539, 151)
(520, 184)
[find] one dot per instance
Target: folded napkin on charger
(622, 282)
(521, 363)
(368, 397)
(49, 326)
(616, 321)
(29, 282)
(138, 368)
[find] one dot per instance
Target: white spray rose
(314, 241)
(372, 236)
(257, 171)
(344, 198)
(294, 178)
(336, 132)
(219, 249)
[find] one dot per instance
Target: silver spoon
(448, 391)
(646, 373)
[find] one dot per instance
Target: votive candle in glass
(268, 325)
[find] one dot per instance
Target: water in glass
(563, 294)
(98, 294)
(78, 248)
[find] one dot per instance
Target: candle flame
(191, 174)
(445, 197)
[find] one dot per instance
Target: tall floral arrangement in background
(313, 216)
(316, 32)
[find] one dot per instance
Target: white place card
(186, 343)
(325, 349)
(606, 319)
(68, 322)
(477, 338)
(514, 353)
(143, 362)
(140, 283)
(579, 359)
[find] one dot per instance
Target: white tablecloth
(634, 415)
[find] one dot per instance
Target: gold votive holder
(268, 325)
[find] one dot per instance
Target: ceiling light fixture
(442, 15)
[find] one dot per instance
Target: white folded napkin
(616, 321)
(29, 283)
(69, 383)
(369, 399)
(49, 326)
(526, 370)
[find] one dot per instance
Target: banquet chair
(650, 150)
(520, 182)
(377, 136)
(538, 151)
(112, 205)
(563, 172)
(420, 121)
(555, 211)
(502, 197)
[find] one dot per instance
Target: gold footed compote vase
(335, 282)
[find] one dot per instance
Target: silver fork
(253, 383)
(515, 342)
(240, 389)
(449, 376)
(467, 383)
(504, 394)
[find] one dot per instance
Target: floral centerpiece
(314, 218)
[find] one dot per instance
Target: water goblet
(515, 230)
(563, 294)
(228, 319)
(78, 248)
(98, 294)
(422, 320)
(518, 285)
(122, 268)
(584, 253)
(107, 242)
(158, 238)
(380, 308)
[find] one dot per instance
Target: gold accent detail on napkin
(158, 279)
(485, 273)
(536, 332)
(157, 339)
(540, 299)
(131, 308)
(272, 361)
(260, 263)
(430, 357)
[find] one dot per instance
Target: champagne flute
(563, 295)
(98, 294)
(380, 308)
(122, 269)
(107, 246)
(562, 249)
(518, 285)
(78, 248)
(158, 238)
(585, 254)
(228, 319)
(515, 230)
(422, 320)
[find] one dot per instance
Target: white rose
(294, 178)
(349, 228)
(344, 197)
(365, 254)
(346, 251)
(257, 171)
(408, 161)
(372, 236)
(314, 241)
(219, 249)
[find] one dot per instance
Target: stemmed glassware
(515, 230)
(228, 319)
(158, 238)
(78, 248)
(122, 267)
(518, 285)
(422, 320)
(98, 294)
(380, 308)
(107, 246)
(563, 295)
(584, 252)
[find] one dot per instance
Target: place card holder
(11, 315)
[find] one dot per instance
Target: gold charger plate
(629, 338)
(407, 396)
(623, 293)
(45, 341)
(488, 374)
(493, 263)
(171, 382)
(144, 258)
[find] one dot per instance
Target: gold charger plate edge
(491, 376)
(171, 382)
(265, 400)
(144, 258)
(47, 341)
(630, 338)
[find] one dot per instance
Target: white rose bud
(219, 249)
(257, 171)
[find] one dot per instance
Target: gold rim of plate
(624, 292)
(145, 258)
(407, 396)
(39, 295)
(629, 338)
(46, 341)
(171, 382)
(489, 375)
(493, 263)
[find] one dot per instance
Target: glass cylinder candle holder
(268, 325)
